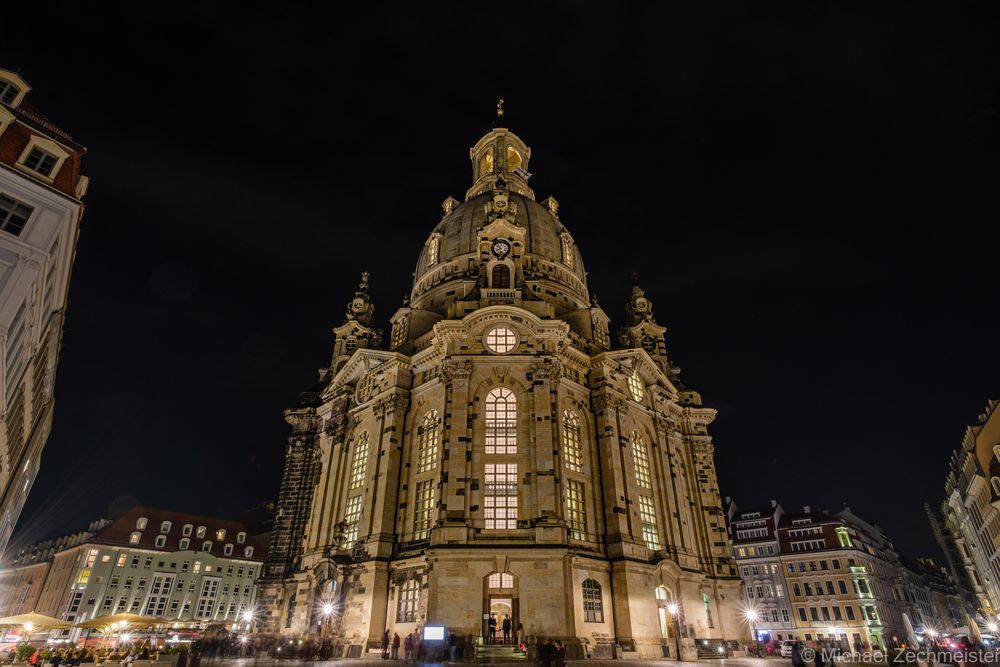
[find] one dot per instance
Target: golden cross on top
(500, 108)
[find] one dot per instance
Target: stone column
(390, 413)
(456, 456)
(544, 376)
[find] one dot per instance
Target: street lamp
(674, 609)
(751, 615)
(992, 627)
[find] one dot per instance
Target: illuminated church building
(500, 453)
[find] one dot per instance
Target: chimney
(805, 509)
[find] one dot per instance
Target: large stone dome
(546, 263)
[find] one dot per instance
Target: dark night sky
(810, 196)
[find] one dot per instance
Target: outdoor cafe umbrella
(29, 623)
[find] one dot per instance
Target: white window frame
(47, 146)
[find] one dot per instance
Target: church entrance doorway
(500, 604)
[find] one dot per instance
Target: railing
(494, 293)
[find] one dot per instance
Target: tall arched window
(593, 604)
(572, 454)
(641, 458)
(567, 251)
(359, 462)
(501, 421)
(501, 276)
(430, 435)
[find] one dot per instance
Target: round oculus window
(501, 340)
(635, 386)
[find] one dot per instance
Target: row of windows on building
(565, 243)
(188, 529)
(185, 543)
(501, 487)
(822, 614)
(123, 560)
(860, 588)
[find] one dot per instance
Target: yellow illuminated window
(641, 458)
(501, 421)
(576, 513)
(500, 501)
(513, 159)
(486, 162)
(635, 386)
(430, 434)
(572, 454)
(500, 580)
(424, 513)
(647, 515)
(351, 518)
(359, 462)
(84, 577)
(432, 251)
(567, 252)
(501, 339)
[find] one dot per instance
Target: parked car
(786, 648)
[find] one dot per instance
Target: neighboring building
(501, 456)
(936, 600)
(754, 537)
(970, 511)
(24, 572)
(184, 567)
(40, 209)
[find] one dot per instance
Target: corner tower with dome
(500, 454)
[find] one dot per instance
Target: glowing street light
(327, 609)
(992, 627)
(673, 609)
(751, 616)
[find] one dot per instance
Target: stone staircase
(498, 653)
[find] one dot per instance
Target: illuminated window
(122, 558)
(662, 593)
(486, 162)
(220, 534)
(84, 577)
(359, 461)
(567, 251)
(500, 501)
(576, 512)
(40, 161)
(593, 605)
(572, 454)
(845, 539)
(366, 387)
(140, 524)
(424, 510)
(432, 250)
(352, 516)
(91, 558)
(134, 538)
(641, 458)
(501, 421)
(430, 435)
(8, 92)
(513, 159)
(200, 532)
(635, 386)
(501, 340)
(647, 515)
(13, 215)
(406, 610)
(500, 580)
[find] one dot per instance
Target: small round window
(635, 386)
(501, 340)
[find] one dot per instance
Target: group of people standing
(505, 627)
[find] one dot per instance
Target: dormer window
(432, 250)
(134, 537)
(161, 541)
(42, 157)
(40, 161)
(185, 544)
(220, 534)
(13, 215)
(206, 545)
(228, 549)
(248, 552)
(567, 250)
(141, 523)
(165, 527)
(200, 532)
(241, 538)
(8, 92)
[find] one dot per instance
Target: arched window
(432, 250)
(635, 386)
(430, 436)
(406, 610)
(501, 421)
(593, 604)
(501, 581)
(641, 458)
(501, 277)
(359, 461)
(486, 162)
(513, 159)
(572, 454)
